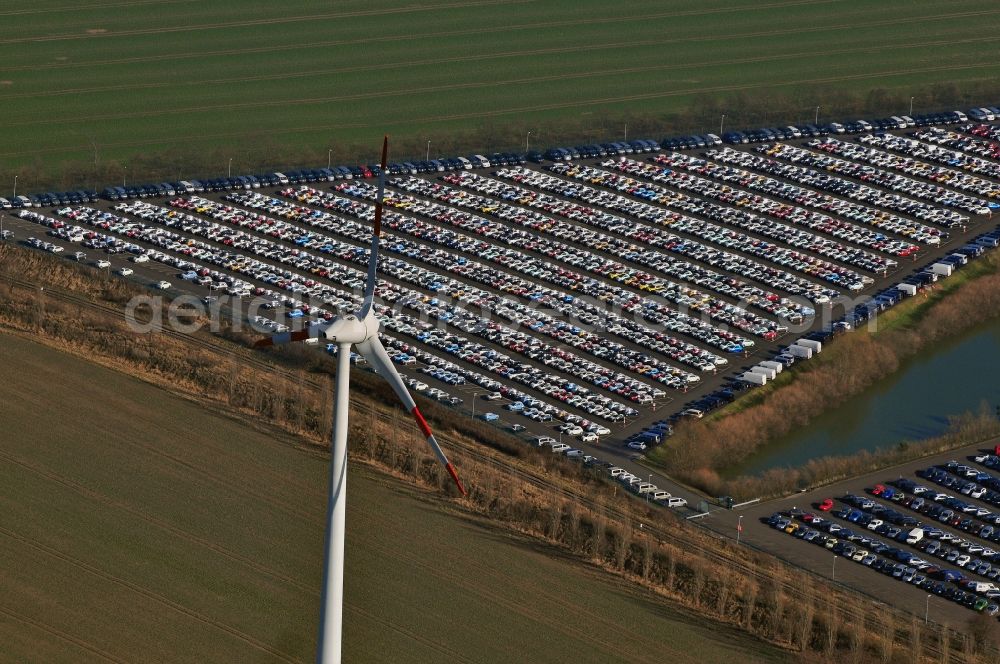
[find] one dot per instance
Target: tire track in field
(219, 481)
(244, 106)
(431, 543)
(495, 30)
(473, 588)
(55, 631)
(249, 23)
(454, 655)
(147, 593)
(104, 5)
(284, 76)
(178, 532)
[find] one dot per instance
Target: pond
(912, 404)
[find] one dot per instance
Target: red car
(826, 505)
(877, 490)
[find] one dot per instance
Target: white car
(125, 271)
(637, 445)
(141, 258)
(163, 285)
(589, 437)
(675, 502)
(103, 264)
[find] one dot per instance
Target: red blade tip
(454, 476)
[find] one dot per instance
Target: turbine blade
(283, 338)
(374, 353)
(376, 235)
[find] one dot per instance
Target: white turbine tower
(360, 330)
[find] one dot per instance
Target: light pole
(229, 174)
(722, 123)
(626, 132)
(15, 186)
(649, 480)
(833, 575)
(739, 528)
(817, 116)
(474, 395)
(124, 173)
(927, 609)
(329, 158)
(428, 151)
(526, 139)
(911, 107)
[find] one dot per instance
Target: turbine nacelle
(350, 329)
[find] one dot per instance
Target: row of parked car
(629, 243)
(739, 218)
(917, 159)
(459, 316)
(876, 167)
(285, 280)
(859, 215)
(783, 217)
(867, 550)
(456, 317)
(975, 148)
(870, 197)
(554, 154)
(568, 302)
(534, 235)
(661, 234)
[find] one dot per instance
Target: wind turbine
(358, 330)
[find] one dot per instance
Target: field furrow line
(148, 593)
(60, 634)
(160, 523)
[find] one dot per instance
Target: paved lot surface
(609, 448)
(820, 561)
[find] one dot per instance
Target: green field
(141, 89)
(141, 527)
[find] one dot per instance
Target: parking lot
(860, 532)
(587, 300)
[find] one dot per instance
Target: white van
(660, 495)
(560, 447)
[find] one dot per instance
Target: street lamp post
(526, 139)
(739, 528)
(474, 395)
(229, 173)
(626, 132)
(833, 575)
(722, 123)
(911, 107)
(817, 116)
(15, 186)
(428, 151)
(124, 173)
(927, 609)
(329, 158)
